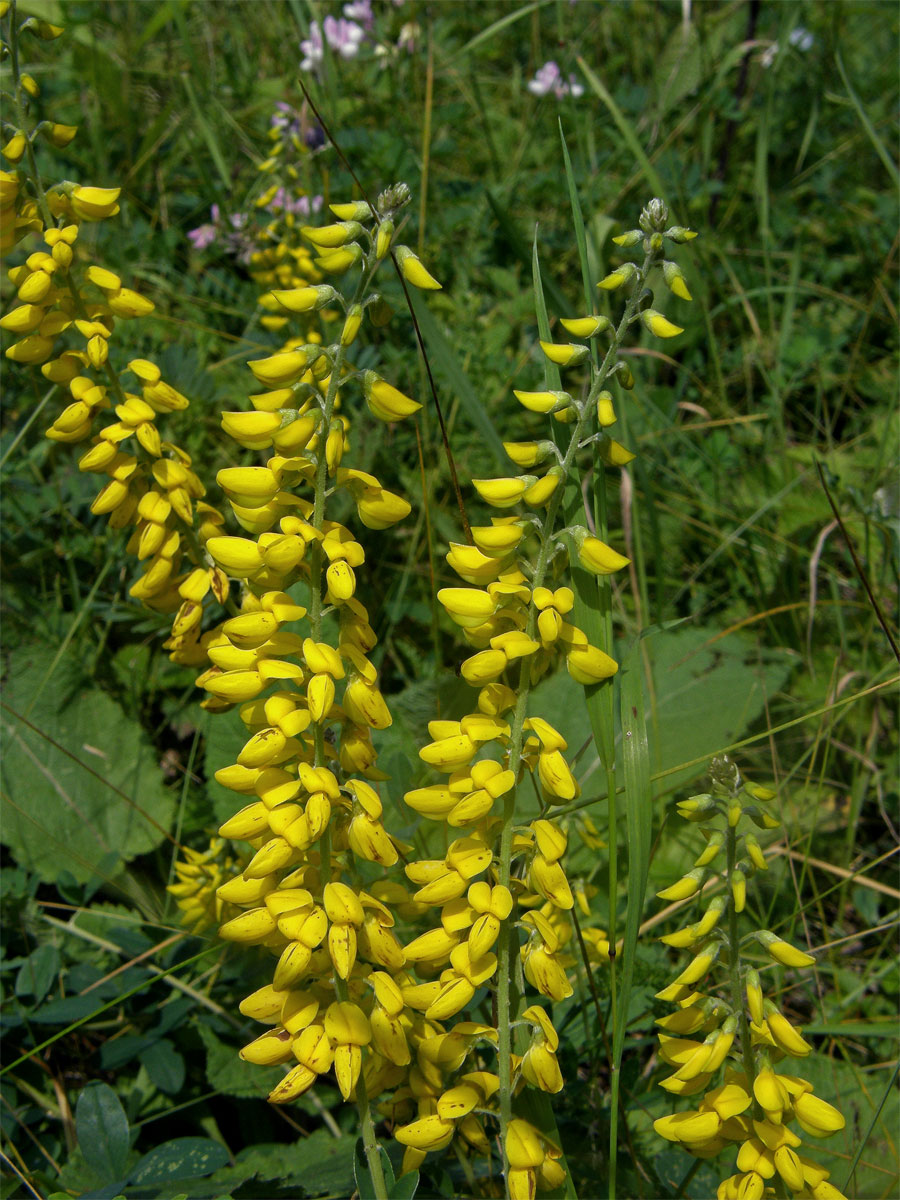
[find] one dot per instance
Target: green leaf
(182, 1158)
(165, 1066)
(61, 1012)
(638, 821)
(37, 973)
(708, 690)
(405, 1187)
(102, 1129)
(230, 1075)
(94, 790)
(224, 737)
(447, 367)
(317, 1165)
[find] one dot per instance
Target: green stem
(734, 965)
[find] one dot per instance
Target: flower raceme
(374, 980)
(500, 892)
(735, 1026)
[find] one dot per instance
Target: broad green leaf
(94, 790)
(230, 1075)
(317, 1165)
(37, 973)
(165, 1066)
(182, 1158)
(102, 1129)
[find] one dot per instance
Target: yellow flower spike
(544, 402)
(595, 556)
(675, 281)
(94, 203)
(585, 327)
(565, 354)
(413, 271)
(817, 1117)
(659, 325)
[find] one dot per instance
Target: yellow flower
(413, 271)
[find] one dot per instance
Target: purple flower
(312, 47)
(360, 10)
(549, 79)
(302, 205)
(286, 118)
(205, 235)
(343, 36)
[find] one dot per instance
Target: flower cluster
(500, 890)
(65, 322)
(734, 1026)
(550, 79)
(199, 874)
(348, 34)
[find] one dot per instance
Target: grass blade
(627, 130)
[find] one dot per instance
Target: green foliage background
(756, 629)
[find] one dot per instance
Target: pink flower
(205, 235)
(312, 47)
(549, 79)
(343, 36)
